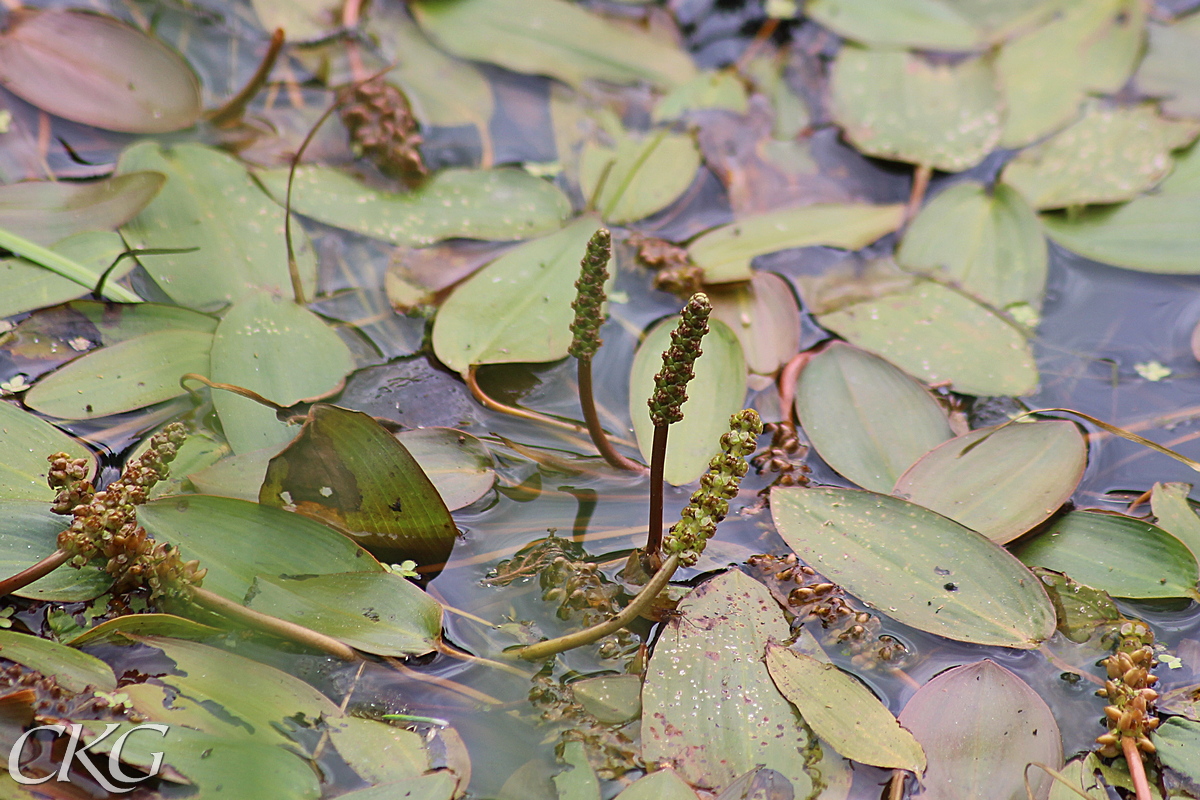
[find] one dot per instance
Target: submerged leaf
(346, 469)
(25, 441)
(473, 204)
(552, 37)
(717, 391)
(458, 464)
(980, 726)
(1123, 556)
(921, 568)
(97, 70)
(210, 202)
(49, 211)
(709, 708)
(640, 175)
(257, 346)
(375, 612)
(999, 482)
(988, 242)
(1083, 612)
(518, 308)
(865, 417)
(1109, 155)
(936, 334)
(843, 712)
(901, 106)
(725, 253)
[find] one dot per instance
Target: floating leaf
(31, 534)
(97, 70)
(133, 374)
(115, 630)
(25, 441)
(1090, 46)
(717, 391)
(29, 286)
(901, 106)
(921, 24)
(1123, 556)
(1155, 233)
(379, 752)
(257, 346)
(725, 253)
(457, 463)
(937, 335)
(710, 709)
(376, 612)
(612, 699)
(210, 202)
(713, 89)
(1081, 775)
(552, 37)
(73, 669)
(921, 568)
(988, 242)
(765, 317)
(662, 784)
(578, 781)
(518, 308)
(1009, 481)
(435, 786)
(865, 417)
(1082, 611)
(49, 211)
(301, 20)
(998, 726)
(640, 175)
(1109, 155)
(1169, 70)
(346, 469)
(1169, 502)
(120, 323)
(473, 204)
(843, 712)
(1178, 744)
(237, 541)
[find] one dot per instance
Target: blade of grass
(61, 265)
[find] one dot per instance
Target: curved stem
(921, 176)
(550, 647)
(272, 625)
(658, 458)
(36, 572)
(235, 106)
(599, 437)
(495, 405)
(1137, 770)
(896, 785)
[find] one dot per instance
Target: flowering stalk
(1130, 713)
(589, 317)
(710, 503)
(666, 404)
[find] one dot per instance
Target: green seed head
(589, 298)
(670, 384)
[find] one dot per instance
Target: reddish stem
(1137, 770)
(599, 437)
(36, 572)
(658, 457)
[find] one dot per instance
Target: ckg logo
(78, 753)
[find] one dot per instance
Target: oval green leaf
(459, 465)
(901, 106)
(258, 346)
(937, 334)
(552, 37)
(765, 317)
(1154, 233)
(1169, 501)
(1009, 481)
(115, 630)
(641, 174)
(375, 612)
(133, 374)
(74, 670)
(725, 253)
(1110, 155)
(663, 784)
(988, 242)
(518, 308)
(210, 202)
(919, 24)
(502, 204)
(237, 541)
(1167, 71)
(99, 71)
(843, 712)
(347, 470)
(717, 391)
(1178, 745)
(722, 716)
(865, 417)
(1123, 556)
(999, 726)
(30, 534)
(49, 211)
(25, 442)
(921, 568)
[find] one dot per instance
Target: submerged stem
(551, 647)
